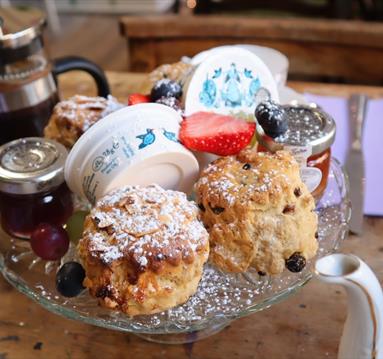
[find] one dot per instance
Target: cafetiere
(28, 78)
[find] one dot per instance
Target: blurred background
(325, 40)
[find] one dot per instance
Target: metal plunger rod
(1, 26)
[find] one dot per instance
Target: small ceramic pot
(136, 145)
(276, 61)
(228, 81)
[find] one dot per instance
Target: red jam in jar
(32, 187)
(309, 136)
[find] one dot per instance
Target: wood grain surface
(306, 325)
(335, 50)
(320, 30)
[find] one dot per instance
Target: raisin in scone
(72, 117)
(258, 213)
(143, 249)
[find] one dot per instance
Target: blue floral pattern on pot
(229, 88)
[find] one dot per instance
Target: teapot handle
(69, 63)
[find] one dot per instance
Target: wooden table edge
(124, 83)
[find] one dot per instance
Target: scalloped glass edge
(343, 186)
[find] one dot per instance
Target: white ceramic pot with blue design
(227, 81)
(276, 61)
(136, 145)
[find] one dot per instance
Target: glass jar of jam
(32, 187)
(309, 136)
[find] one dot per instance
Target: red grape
(49, 242)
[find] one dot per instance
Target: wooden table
(316, 48)
(307, 325)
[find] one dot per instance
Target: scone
(176, 72)
(72, 117)
(258, 213)
(143, 249)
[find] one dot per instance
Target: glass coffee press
(28, 78)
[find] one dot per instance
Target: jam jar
(32, 187)
(309, 136)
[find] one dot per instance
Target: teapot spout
(362, 336)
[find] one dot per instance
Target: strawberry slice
(215, 133)
(136, 98)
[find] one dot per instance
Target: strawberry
(215, 133)
(136, 98)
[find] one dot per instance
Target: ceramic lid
(227, 82)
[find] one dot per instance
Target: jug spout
(362, 336)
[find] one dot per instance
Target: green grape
(75, 225)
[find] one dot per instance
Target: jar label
(311, 177)
(300, 153)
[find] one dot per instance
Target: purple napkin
(372, 144)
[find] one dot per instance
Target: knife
(355, 160)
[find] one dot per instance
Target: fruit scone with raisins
(72, 117)
(258, 213)
(143, 249)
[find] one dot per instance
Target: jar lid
(31, 165)
(307, 126)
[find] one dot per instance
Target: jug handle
(69, 63)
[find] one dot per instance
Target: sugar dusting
(177, 72)
(220, 296)
(304, 126)
(145, 222)
(83, 111)
(239, 185)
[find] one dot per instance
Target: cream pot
(228, 81)
(135, 145)
(276, 61)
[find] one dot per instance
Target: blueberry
(296, 263)
(165, 88)
(272, 118)
(69, 279)
(172, 102)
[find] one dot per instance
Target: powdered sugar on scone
(153, 239)
(146, 220)
(257, 210)
(72, 117)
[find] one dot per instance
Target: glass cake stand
(220, 299)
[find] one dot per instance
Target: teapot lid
(20, 27)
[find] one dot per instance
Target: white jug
(362, 336)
